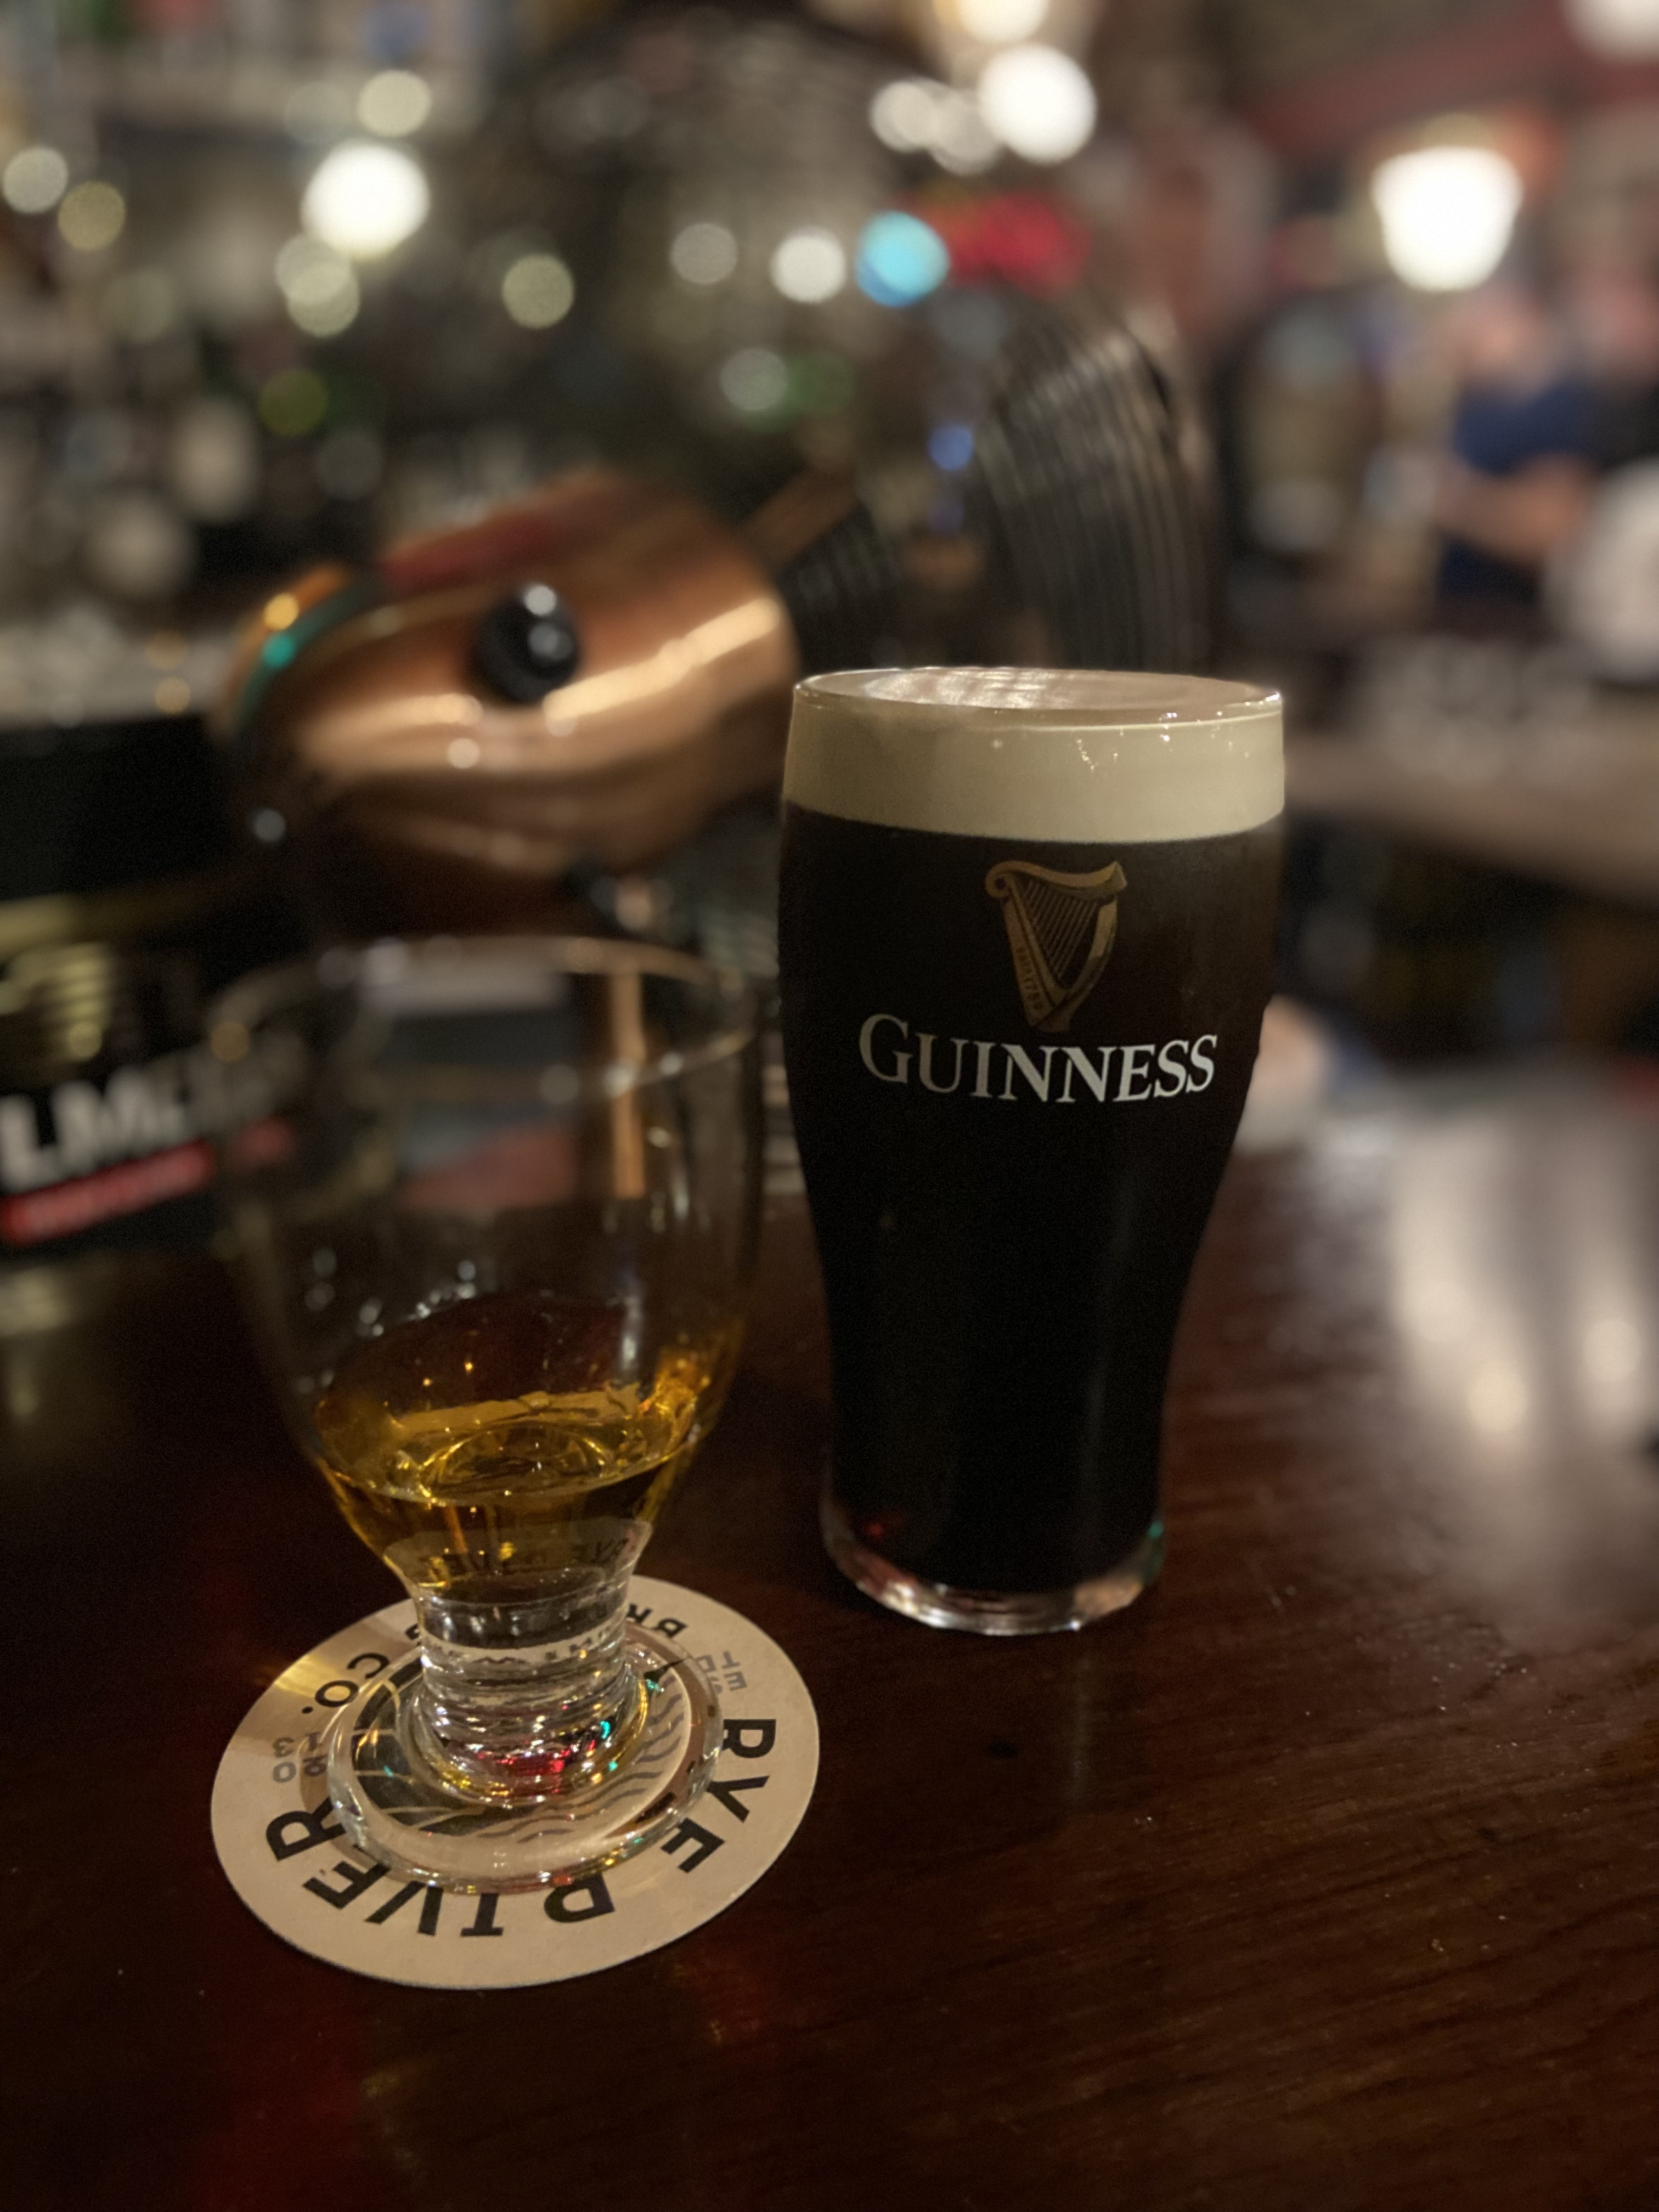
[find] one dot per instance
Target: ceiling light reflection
(810, 265)
(1447, 214)
(35, 179)
(1038, 101)
(1001, 22)
(1626, 30)
(365, 199)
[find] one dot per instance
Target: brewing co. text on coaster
(280, 1841)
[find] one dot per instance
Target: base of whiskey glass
(989, 1612)
(398, 1807)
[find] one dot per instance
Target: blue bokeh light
(950, 447)
(901, 259)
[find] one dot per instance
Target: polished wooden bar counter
(1327, 1876)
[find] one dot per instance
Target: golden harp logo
(1060, 930)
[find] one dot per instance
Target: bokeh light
(365, 199)
(901, 114)
(1001, 22)
(810, 265)
(1625, 30)
(963, 140)
(292, 402)
(1447, 214)
(537, 291)
(950, 447)
(92, 216)
(35, 179)
(327, 317)
(918, 115)
(1038, 101)
(394, 103)
(703, 253)
(756, 380)
(318, 286)
(213, 463)
(901, 259)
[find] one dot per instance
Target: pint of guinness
(1026, 940)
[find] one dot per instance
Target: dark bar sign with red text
(85, 1154)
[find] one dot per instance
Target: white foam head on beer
(1080, 757)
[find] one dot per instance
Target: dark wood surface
(1326, 1877)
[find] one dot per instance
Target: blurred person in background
(1551, 424)
(1514, 484)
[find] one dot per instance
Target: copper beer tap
(588, 674)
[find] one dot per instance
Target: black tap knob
(526, 646)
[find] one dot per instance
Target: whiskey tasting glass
(497, 1261)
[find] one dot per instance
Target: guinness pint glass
(1026, 939)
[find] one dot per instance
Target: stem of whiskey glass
(528, 1698)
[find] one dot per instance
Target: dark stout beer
(1019, 1030)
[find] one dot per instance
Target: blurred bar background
(281, 283)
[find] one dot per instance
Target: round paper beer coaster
(280, 1842)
